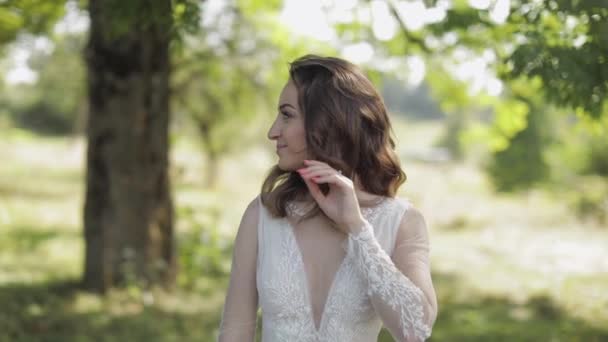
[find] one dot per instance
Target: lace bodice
(310, 289)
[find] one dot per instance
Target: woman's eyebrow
(286, 105)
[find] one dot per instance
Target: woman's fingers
(331, 179)
(314, 190)
(325, 179)
(315, 164)
(318, 168)
(318, 173)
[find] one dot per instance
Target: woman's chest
(320, 251)
(309, 278)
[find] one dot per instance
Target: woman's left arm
(400, 286)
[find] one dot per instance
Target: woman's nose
(273, 132)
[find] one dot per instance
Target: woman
(327, 250)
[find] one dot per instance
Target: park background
(500, 118)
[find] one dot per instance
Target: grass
(57, 311)
(506, 268)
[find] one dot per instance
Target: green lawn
(506, 268)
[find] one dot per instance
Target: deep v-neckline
(367, 214)
(307, 292)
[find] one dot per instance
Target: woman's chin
(285, 169)
(284, 166)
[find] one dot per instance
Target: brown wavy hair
(347, 127)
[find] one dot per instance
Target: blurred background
(133, 136)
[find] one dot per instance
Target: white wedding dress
(310, 289)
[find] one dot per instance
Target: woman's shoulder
(400, 211)
(397, 204)
(252, 211)
(254, 204)
(407, 209)
(411, 223)
(405, 222)
(380, 208)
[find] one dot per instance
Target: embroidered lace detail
(366, 277)
(294, 210)
(290, 309)
(346, 304)
(386, 281)
(370, 213)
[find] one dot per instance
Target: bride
(328, 251)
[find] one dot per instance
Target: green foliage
(454, 100)
(54, 102)
(42, 117)
(127, 17)
(415, 103)
(451, 94)
(259, 7)
(37, 17)
(31, 16)
(565, 44)
(556, 49)
(204, 253)
(452, 139)
(589, 198)
(597, 156)
(510, 119)
(578, 160)
(186, 17)
(463, 20)
(521, 163)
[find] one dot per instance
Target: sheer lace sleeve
(400, 287)
(240, 308)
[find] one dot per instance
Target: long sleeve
(400, 288)
(240, 308)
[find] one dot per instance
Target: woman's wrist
(356, 226)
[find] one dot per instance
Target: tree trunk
(213, 164)
(128, 214)
(212, 160)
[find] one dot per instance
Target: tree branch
(420, 42)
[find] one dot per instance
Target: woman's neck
(365, 198)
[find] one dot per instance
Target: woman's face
(288, 130)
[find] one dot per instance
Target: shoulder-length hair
(347, 127)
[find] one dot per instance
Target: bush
(522, 163)
(204, 254)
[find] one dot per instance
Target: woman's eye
(285, 115)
